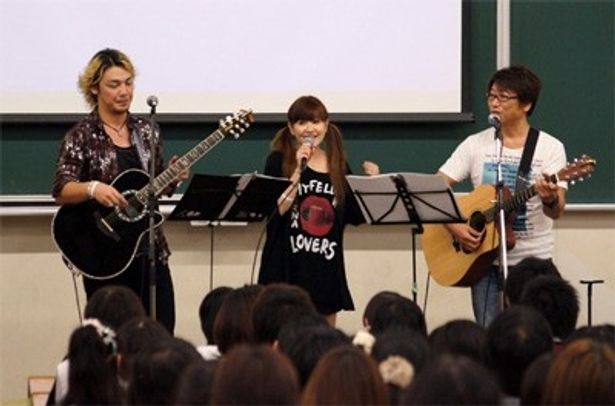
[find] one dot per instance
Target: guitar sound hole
(134, 212)
(478, 221)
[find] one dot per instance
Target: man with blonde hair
(103, 145)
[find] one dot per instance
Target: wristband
(92, 188)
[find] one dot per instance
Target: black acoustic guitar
(101, 242)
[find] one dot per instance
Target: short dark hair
(520, 80)
(459, 337)
(523, 272)
(514, 339)
(451, 380)
(602, 333)
(209, 309)
(276, 304)
(556, 300)
(305, 339)
(157, 370)
(113, 305)
(397, 311)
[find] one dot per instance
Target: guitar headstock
(577, 169)
(237, 124)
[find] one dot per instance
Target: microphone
(494, 121)
(309, 140)
(152, 101)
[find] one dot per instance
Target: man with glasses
(512, 94)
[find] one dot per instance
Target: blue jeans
(486, 294)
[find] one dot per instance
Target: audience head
(195, 383)
(534, 379)
(515, 338)
(136, 335)
(254, 375)
(345, 375)
(373, 304)
(603, 333)
(157, 369)
(209, 309)
(276, 304)
(92, 375)
(523, 272)
(400, 353)
(404, 342)
(305, 339)
(582, 374)
(556, 300)
(394, 310)
(113, 305)
(459, 337)
(453, 380)
(234, 324)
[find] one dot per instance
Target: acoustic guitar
(449, 264)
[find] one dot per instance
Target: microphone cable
(262, 233)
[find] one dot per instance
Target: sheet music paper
(379, 200)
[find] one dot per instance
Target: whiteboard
(211, 56)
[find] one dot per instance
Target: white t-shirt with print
(476, 158)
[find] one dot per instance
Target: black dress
(304, 247)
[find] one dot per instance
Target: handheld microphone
(494, 121)
(309, 140)
(152, 102)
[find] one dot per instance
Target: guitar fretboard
(511, 203)
(165, 178)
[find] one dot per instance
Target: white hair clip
(106, 333)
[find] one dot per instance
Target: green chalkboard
(569, 44)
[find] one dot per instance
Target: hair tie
(397, 371)
(364, 340)
(106, 333)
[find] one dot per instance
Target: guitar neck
(165, 178)
(512, 203)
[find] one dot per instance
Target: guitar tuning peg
(572, 182)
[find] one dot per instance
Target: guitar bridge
(106, 228)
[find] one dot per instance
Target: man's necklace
(116, 129)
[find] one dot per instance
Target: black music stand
(219, 200)
(406, 198)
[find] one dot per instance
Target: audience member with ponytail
(92, 373)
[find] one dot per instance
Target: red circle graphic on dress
(316, 215)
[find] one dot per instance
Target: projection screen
(212, 56)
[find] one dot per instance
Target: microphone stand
(151, 208)
(502, 258)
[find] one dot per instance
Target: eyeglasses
(500, 98)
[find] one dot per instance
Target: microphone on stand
(309, 140)
(152, 102)
(494, 121)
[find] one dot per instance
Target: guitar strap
(526, 158)
(138, 143)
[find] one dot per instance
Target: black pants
(136, 277)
